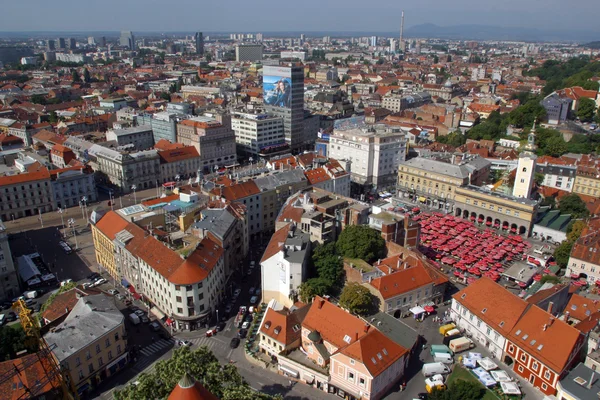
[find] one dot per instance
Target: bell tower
(526, 167)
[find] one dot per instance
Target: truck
(32, 294)
(134, 318)
(434, 368)
(446, 328)
(430, 384)
(448, 339)
(444, 358)
(239, 318)
(439, 348)
(461, 344)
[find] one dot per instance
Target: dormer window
(268, 324)
(347, 339)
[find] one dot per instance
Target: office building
(138, 137)
(178, 162)
(125, 170)
(248, 52)
(256, 133)
(396, 102)
(26, 194)
(61, 43)
(91, 343)
(72, 43)
(91, 41)
(373, 41)
(199, 43)
(163, 124)
(50, 45)
(375, 153)
(283, 88)
(70, 185)
(291, 54)
(127, 40)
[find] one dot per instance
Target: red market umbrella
(429, 309)
(522, 284)
(537, 278)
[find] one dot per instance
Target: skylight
(296, 328)
(532, 342)
(463, 296)
(501, 323)
(484, 310)
(373, 359)
(347, 339)
(385, 352)
(540, 347)
(518, 332)
(525, 336)
(379, 356)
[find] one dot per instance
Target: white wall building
(140, 137)
(254, 132)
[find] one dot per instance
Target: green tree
(328, 264)
(165, 96)
(562, 253)
(572, 204)
(357, 299)
(66, 287)
(436, 59)
(75, 76)
(313, 287)
(574, 230)
(38, 99)
(52, 117)
(539, 179)
(12, 341)
(86, 75)
(459, 390)
(550, 278)
(555, 147)
(585, 110)
(455, 139)
(360, 241)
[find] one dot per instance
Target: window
(80, 374)
(110, 357)
(87, 355)
(77, 362)
(520, 368)
(351, 376)
(534, 366)
(116, 336)
(107, 342)
(352, 362)
(91, 368)
(100, 362)
(361, 381)
(119, 349)
(523, 357)
(547, 375)
(544, 386)
(524, 169)
(97, 348)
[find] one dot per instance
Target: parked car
(251, 291)
(253, 300)
(11, 316)
(29, 303)
(184, 343)
(66, 248)
(220, 326)
(93, 276)
(63, 283)
(257, 293)
(120, 297)
(113, 292)
(145, 319)
(6, 305)
(99, 281)
(155, 326)
(235, 342)
(237, 292)
(88, 285)
(228, 308)
(139, 313)
(246, 325)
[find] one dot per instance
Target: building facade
(179, 163)
(254, 133)
(125, 170)
(138, 137)
(71, 185)
(26, 194)
(9, 280)
(248, 52)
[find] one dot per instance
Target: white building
(254, 132)
(140, 137)
(487, 312)
(375, 154)
(526, 168)
(181, 163)
(557, 176)
(124, 170)
(284, 265)
(70, 185)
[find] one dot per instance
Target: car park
(235, 342)
(155, 326)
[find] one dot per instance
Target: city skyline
(352, 16)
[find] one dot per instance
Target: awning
(289, 371)
(124, 282)
(422, 199)
(169, 321)
(309, 379)
(116, 361)
(417, 310)
(159, 314)
(510, 388)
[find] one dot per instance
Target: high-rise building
(373, 41)
(259, 37)
(72, 43)
(91, 41)
(283, 92)
(199, 39)
(127, 40)
(255, 133)
(248, 52)
(50, 45)
(103, 41)
(61, 43)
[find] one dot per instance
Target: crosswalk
(210, 342)
(156, 347)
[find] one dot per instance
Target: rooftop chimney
(321, 302)
(366, 328)
(591, 381)
(550, 306)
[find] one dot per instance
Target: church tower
(526, 167)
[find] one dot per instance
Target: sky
(286, 15)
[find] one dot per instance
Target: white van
(434, 368)
(443, 358)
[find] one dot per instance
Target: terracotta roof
(164, 144)
(375, 350)
(6, 139)
(40, 173)
(238, 191)
(587, 247)
(201, 125)
(284, 326)
(289, 212)
(402, 281)
(580, 307)
(178, 154)
(60, 149)
(198, 265)
(159, 200)
(289, 161)
(190, 389)
(588, 324)
(276, 243)
(29, 383)
(315, 176)
(493, 304)
(111, 224)
(546, 338)
(62, 304)
(333, 323)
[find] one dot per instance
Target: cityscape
(299, 214)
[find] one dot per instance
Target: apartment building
(213, 139)
(248, 194)
(26, 194)
(584, 261)
(135, 138)
(248, 52)
(332, 177)
(179, 163)
(254, 133)
(284, 265)
(397, 103)
(125, 170)
(558, 173)
(9, 280)
(70, 185)
(104, 233)
(91, 342)
(587, 179)
(374, 155)
(434, 181)
(61, 156)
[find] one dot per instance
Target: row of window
(491, 207)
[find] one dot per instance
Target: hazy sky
(290, 15)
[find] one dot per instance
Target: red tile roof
(546, 338)
(178, 154)
(25, 378)
(164, 144)
(38, 173)
(315, 176)
(238, 191)
(580, 307)
(284, 326)
(402, 281)
(190, 389)
(276, 243)
(198, 265)
(111, 224)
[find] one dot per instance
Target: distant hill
(486, 32)
(592, 45)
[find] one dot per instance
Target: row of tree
(224, 381)
(575, 72)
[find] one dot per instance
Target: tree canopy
(12, 341)
(328, 273)
(459, 390)
(357, 299)
(360, 241)
(455, 139)
(224, 381)
(572, 204)
(575, 72)
(586, 108)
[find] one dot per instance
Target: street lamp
(84, 200)
(71, 223)
(41, 220)
(62, 220)
(111, 198)
(134, 198)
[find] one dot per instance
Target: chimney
(379, 262)
(550, 306)
(356, 337)
(398, 264)
(591, 381)
(545, 327)
(321, 302)
(551, 321)
(66, 310)
(366, 328)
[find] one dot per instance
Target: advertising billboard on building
(277, 86)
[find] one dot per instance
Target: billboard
(277, 91)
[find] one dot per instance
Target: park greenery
(65, 288)
(12, 341)
(574, 72)
(224, 381)
(563, 251)
(360, 241)
(459, 390)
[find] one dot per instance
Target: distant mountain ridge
(488, 32)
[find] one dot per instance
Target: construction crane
(58, 377)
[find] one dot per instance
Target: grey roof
(296, 246)
(501, 195)
(217, 221)
(395, 329)
(133, 130)
(583, 374)
(281, 178)
(91, 319)
(461, 171)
